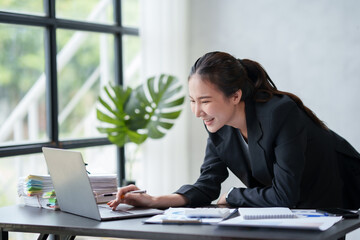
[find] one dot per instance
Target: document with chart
(192, 216)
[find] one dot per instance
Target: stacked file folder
(38, 190)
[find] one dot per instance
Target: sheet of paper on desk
(165, 219)
(315, 223)
(188, 216)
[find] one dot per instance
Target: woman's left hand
(222, 200)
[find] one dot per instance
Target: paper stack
(37, 190)
(104, 187)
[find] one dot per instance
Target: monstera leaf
(133, 115)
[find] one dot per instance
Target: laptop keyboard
(126, 211)
(108, 212)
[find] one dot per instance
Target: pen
(135, 191)
(108, 194)
(181, 221)
(312, 215)
(235, 212)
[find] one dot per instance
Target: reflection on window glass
(22, 84)
(132, 60)
(130, 13)
(23, 6)
(85, 64)
(99, 11)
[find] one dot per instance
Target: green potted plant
(147, 111)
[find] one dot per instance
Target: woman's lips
(208, 122)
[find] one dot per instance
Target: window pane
(132, 60)
(98, 11)
(11, 169)
(35, 7)
(100, 160)
(22, 85)
(130, 13)
(132, 66)
(85, 64)
(133, 164)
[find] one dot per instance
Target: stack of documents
(38, 190)
(104, 187)
(36, 184)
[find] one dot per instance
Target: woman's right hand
(124, 195)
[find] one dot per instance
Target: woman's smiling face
(210, 104)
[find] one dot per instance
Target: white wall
(310, 48)
(164, 31)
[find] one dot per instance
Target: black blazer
(293, 162)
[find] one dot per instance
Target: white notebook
(263, 213)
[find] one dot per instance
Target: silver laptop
(73, 190)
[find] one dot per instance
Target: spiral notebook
(264, 213)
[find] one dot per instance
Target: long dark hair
(230, 74)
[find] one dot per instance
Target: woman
(274, 144)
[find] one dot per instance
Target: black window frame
(50, 23)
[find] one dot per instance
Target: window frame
(50, 24)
